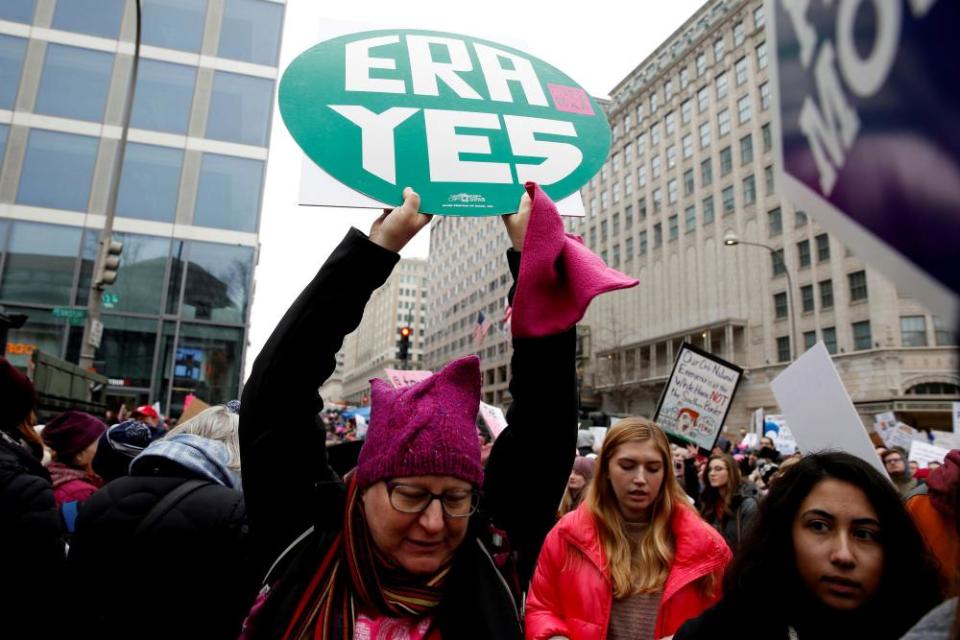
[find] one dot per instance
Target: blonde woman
(634, 560)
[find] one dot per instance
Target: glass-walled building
(188, 209)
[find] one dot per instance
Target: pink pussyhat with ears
(426, 429)
(559, 276)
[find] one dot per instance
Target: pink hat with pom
(428, 428)
(559, 276)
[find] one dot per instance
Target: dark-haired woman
(726, 502)
(832, 554)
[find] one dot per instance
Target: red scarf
(354, 576)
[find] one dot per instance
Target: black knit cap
(17, 397)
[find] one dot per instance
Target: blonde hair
(216, 423)
(642, 566)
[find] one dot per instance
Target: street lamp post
(731, 239)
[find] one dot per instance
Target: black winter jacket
(744, 507)
(31, 542)
(187, 576)
(289, 485)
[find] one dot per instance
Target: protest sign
(697, 397)
(884, 423)
(192, 406)
(599, 433)
(400, 378)
(758, 421)
(864, 139)
(466, 121)
(901, 436)
(956, 417)
(775, 426)
(494, 419)
(818, 408)
(924, 453)
(750, 441)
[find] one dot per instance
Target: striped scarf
(354, 576)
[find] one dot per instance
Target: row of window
(75, 83)
(53, 265)
(250, 31)
(857, 282)
(228, 191)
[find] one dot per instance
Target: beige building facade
(372, 347)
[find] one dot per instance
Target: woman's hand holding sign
(396, 227)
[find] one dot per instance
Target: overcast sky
(597, 43)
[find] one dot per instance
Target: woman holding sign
(635, 560)
(832, 554)
(403, 546)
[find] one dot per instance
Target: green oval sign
(464, 121)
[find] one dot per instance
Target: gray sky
(596, 43)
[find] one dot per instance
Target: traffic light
(110, 263)
(404, 346)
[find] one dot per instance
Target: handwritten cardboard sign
(494, 419)
(697, 397)
(924, 453)
(398, 378)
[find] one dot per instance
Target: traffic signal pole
(108, 253)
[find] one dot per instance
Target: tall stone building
(691, 165)
(372, 347)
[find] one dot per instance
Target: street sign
(109, 300)
(465, 121)
(868, 100)
(75, 316)
(96, 333)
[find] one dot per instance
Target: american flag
(480, 331)
(505, 321)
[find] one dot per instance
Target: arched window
(934, 389)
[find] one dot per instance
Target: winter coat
(744, 507)
(185, 576)
(574, 599)
(289, 485)
(937, 624)
(71, 485)
(31, 542)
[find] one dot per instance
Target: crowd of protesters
(238, 523)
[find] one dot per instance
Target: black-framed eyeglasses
(406, 498)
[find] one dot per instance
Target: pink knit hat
(558, 276)
(428, 428)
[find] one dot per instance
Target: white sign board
(956, 417)
(884, 423)
(758, 421)
(923, 453)
(818, 408)
(599, 433)
(494, 419)
(901, 436)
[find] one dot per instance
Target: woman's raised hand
(516, 223)
(394, 229)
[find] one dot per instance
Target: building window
(628, 185)
(783, 349)
(657, 235)
(655, 134)
(655, 166)
(657, 200)
(653, 102)
(670, 123)
(687, 144)
(674, 227)
(686, 112)
(688, 182)
(809, 339)
(726, 161)
(615, 220)
(861, 335)
(628, 217)
(729, 203)
(708, 210)
(615, 192)
(17, 10)
(150, 182)
(240, 108)
(628, 249)
(758, 19)
(627, 154)
(768, 179)
(823, 247)
(764, 96)
(615, 161)
(603, 200)
(642, 208)
(593, 238)
(142, 268)
(60, 159)
(11, 62)
(943, 335)
(858, 285)
(703, 99)
(671, 156)
(218, 289)
(640, 113)
(719, 50)
(690, 218)
(775, 222)
(163, 96)
(779, 266)
(228, 196)
(739, 34)
(829, 335)
(743, 109)
(780, 308)
(616, 255)
(704, 135)
(95, 18)
(40, 263)
(174, 24)
(767, 137)
(684, 77)
(627, 125)
(701, 63)
(913, 331)
(641, 145)
(799, 218)
(4, 130)
(749, 190)
(706, 172)
(642, 240)
(762, 56)
(74, 83)
(740, 71)
(806, 298)
(826, 294)
(603, 231)
(746, 149)
(672, 191)
(723, 123)
(803, 254)
(723, 86)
